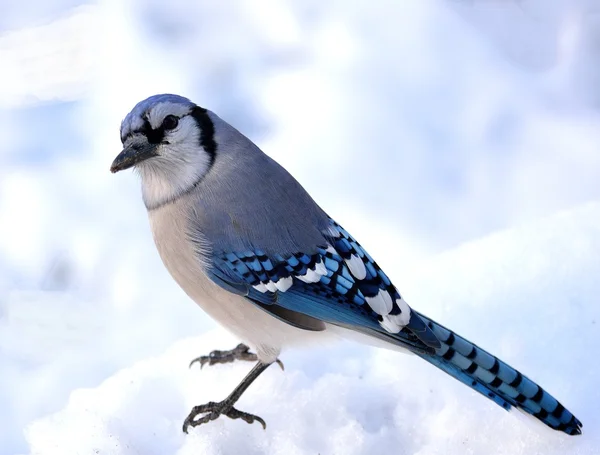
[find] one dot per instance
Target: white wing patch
(313, 275)
(405, 310)
(283, 284)
(320, 268)
(393, 323)
(260, 287)
(390, 323)
(381, 303)
(272, 286)
(356, 267)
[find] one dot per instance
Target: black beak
(137, 151)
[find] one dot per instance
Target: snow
(442, 122)
(528, 295)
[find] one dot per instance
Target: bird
(251, 247)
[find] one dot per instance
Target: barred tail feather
(496, 380)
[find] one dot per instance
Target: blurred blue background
(419, 125)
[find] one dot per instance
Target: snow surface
(529, 295)
(459, 118)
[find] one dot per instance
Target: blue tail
(496, 380)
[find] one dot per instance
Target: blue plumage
(338, 297)
(497, 381)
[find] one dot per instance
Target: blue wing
(337, 283)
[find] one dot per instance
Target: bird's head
(170, 141)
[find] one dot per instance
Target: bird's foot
(240, 352)
(213, 411)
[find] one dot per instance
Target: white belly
(255, 327)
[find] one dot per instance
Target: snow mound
(528, 295)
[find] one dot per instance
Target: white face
(163, 143)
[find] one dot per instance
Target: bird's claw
(240, 352)
(214, 410)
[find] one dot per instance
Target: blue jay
(248, 244)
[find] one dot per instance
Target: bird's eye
(170, 122)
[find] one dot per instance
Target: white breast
(255, 327)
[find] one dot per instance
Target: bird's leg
(213, 411)
(240, 352)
